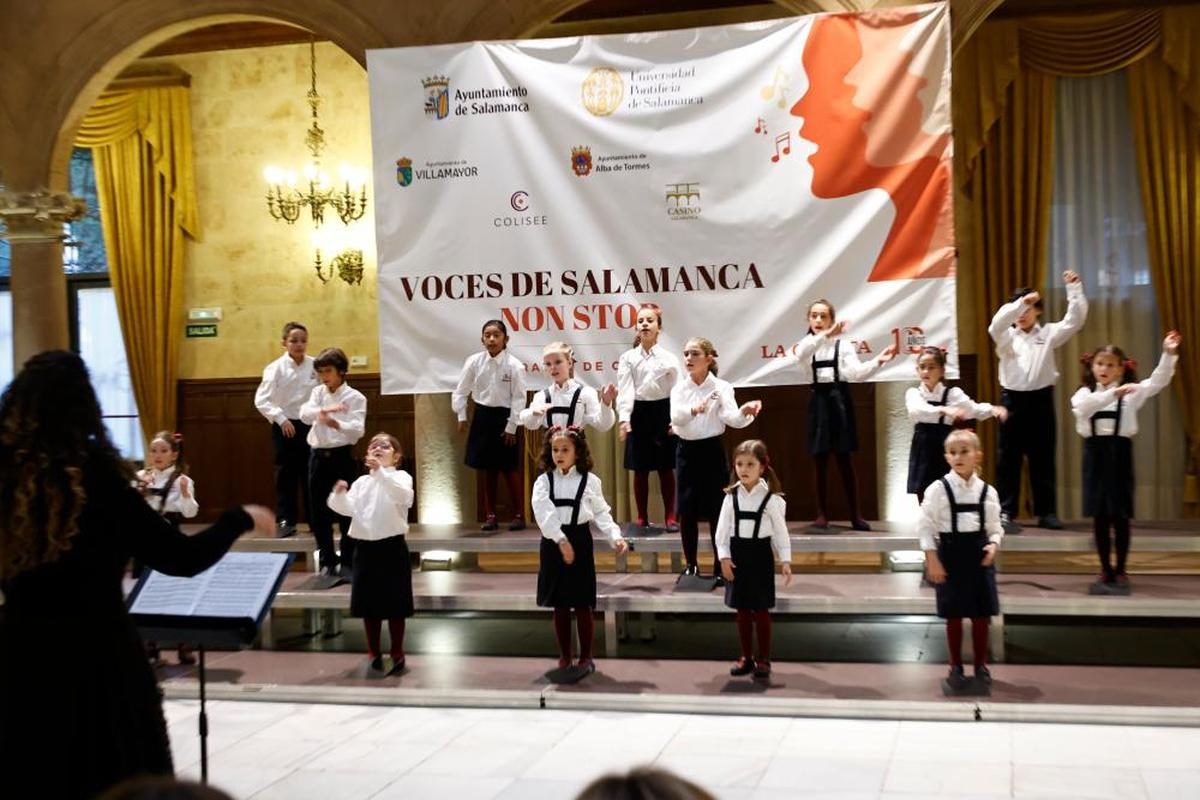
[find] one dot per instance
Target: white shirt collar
(560, 474)
(957, 482)
(759, 488)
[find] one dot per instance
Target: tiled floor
(280, 750)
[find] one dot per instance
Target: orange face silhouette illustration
(868, 99)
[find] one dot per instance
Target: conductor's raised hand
(727, 569)
(1071, 276)
(568, 552)
(1171, 343)
(786, 570)
(264, 519)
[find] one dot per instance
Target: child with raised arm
(934, 408)
(337, 413)
(645, 375)
(496, 380)
(567, 500)
(702, 405)
(1028, 373)
(1106, 407)
(378, 504)
(831, 426)
(960, 532)
(751, 527)
(566, 401)
(286, 384)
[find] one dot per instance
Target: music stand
(222, 607)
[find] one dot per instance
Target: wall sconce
(341, 258)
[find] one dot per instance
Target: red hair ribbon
(1086, 359)
(177, 436)
(766, 462)
(1131, 365)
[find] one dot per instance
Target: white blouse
(352, 420)
(645, 375)
(592, 506)
(284, 388)
(1086, 402)
(722, 408)
(773, 524)
(935, 511)
(821, 347)
(176, 503)
(589, 411)
(377, 504)
(1027, 359)
(497, 382)
(917, 400)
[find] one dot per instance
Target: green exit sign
(205, 331)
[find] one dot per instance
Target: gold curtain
(141, 141)
(1167, 140)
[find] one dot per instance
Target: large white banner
(732, 175)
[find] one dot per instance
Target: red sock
(374, 629)
(666, 480)
(513, 479)
(562, 632)
(762, 626)
(954, 636)
(745, 631)
(489, 492)
(641, 495)
(396, 631)
(979, 639)
(586, 622)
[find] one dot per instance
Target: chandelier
(287, 195)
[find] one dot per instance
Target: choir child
(566, 401)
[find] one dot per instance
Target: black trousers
(327, 466)
(1029, 432)
(291, 471)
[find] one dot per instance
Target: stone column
(445, 486)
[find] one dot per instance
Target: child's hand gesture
(568, 552)
(786, 570)
(621, 546)
(958, 413)
(752, 408)
(1000, 413)
(372, 462)
(1171, 343)
(700, 408)
(1031, 298)
(727, 569)
(325, 417)
(624, 430)
(838, 328)
(340, 487)
(1070, 276)
(888, 353)
(608, 394)
(185, 487)
(989, 555)
(933, 566)
(1124, 389)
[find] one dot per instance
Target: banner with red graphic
(732, 175)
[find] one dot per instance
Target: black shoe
(691, 569)
(587, 665)
(672, 526)
(377, 664)
(1010, 527)
(957, 679)
(743, 666)
(762, 669)
(983, 675)
(284, 529)
(860, 525)
(397, 666)
(518, 524)
(490, 524)
(1050, 522)
(718, 581)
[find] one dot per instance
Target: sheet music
(237, 586)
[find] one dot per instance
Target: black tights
(849, 483)
(689, 533)
(1120, 526)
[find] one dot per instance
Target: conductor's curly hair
(583, 453)
(51, 432)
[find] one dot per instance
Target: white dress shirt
(285, 387)
(498, 382)
(935, 511)
(773, 524)
(589, 411)
(821, 347)
(722, 408)
(645, 375)
(176, 503)
(377, 504)
(1027, 359)
(917, 400)
(352, 421)
(592, 506)
(1087, 402)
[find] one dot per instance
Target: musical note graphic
(761, 127)
(781, 77)
(786, 140)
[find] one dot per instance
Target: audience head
(643, 783)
